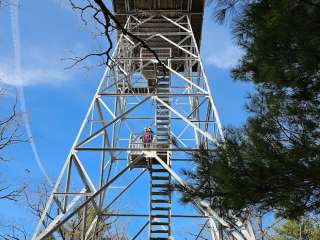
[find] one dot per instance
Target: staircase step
(160, 216)
(160, 231)
(164, 193)
(160, 223)
(160, 178)
(162, 118)
(163, 136)
(164, 174)
(160, 185)
(163, 88)
(163, 142)
(163, 133)
(163, 123)
(160, 208)
(162, 129)
(159, 200)
(164, 77)
(154, 170)
(163, 113)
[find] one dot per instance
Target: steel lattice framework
(109, 169)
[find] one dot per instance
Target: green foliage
(304, 229)
(77, 222)
(73, 229)
(273, 161)
(281, 39)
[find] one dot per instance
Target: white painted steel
(110, 129)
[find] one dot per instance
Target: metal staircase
(160, 195)
(163, 113)
(160, 203)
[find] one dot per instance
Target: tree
(9, 135)
(9, 127)
(273, 161)
(36, 202)
(13, 232)
(302, 229)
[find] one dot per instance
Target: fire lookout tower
(111, 178)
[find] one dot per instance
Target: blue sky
(57, 99)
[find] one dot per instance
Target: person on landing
(150, 136)
(147, 137)
(142, 138)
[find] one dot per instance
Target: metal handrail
(135, 142)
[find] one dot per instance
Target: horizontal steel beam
(163, 33)
(124, 149)
(151, 12)
(147, 215)
(154, 94)
(171, 159)
(74, 193)
(161, 58)
(171, 118)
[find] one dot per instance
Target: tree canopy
(273, 161)
(305, 228)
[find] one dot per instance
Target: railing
(135, 142)
(136, 146)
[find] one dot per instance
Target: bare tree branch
(9, 128)
(36, 202)
(12, 195)
(13, 232)
(107, 20)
